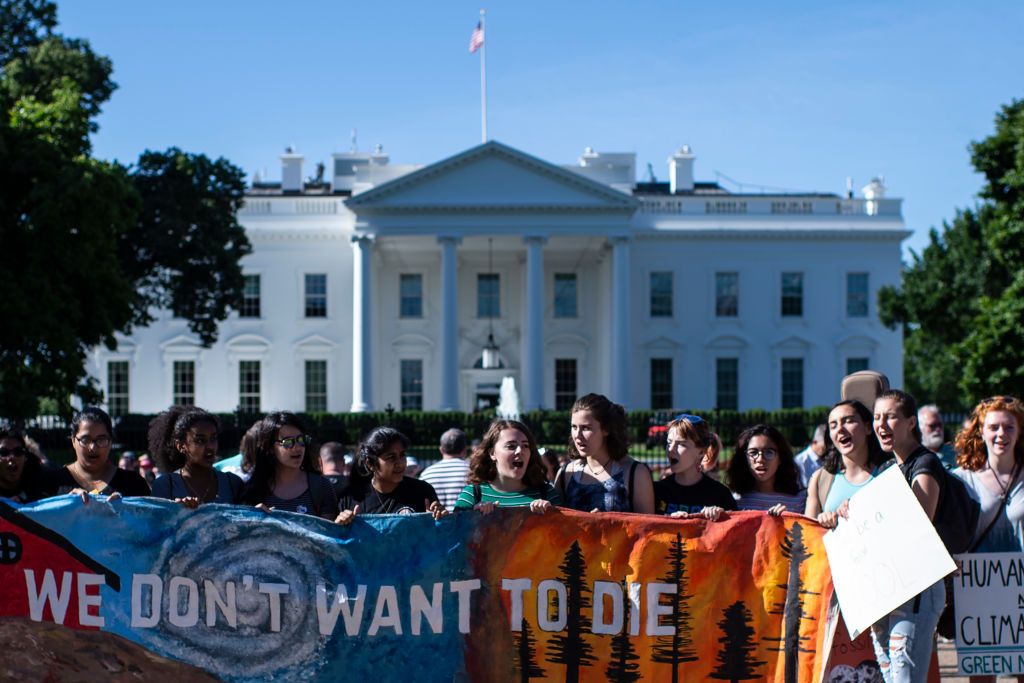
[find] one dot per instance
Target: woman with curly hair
(601, 477)
(183, 441)
(763, 473)
(506, 470)
(22, 476)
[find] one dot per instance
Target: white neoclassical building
(383, 284)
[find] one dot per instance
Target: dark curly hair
(169, 428)
(832, 461)
(261, 454)
(741, 479)
(483, 470)
(369, 451)
(611, 417)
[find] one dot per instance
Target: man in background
(333, 466)
(933, 435)
(448, 475)
(808, 461)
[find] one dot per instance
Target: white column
(362, 306)
(620, 322)
(449, 324)
(533, 356)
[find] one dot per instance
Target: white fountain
(508, 399)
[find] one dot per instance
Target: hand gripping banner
(235, 594)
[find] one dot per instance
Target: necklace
(385, 506)
(86, 481)
(208, 493)
(604, 468)
(1005, 488)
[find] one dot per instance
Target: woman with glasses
(379, 485)
(763, 473)
(183, 440)
(22, 477)
(92, 434)
(285, 469)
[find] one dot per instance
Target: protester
(22, 477)
(129, 462)
(92, 435)
(762, 473)
(332, 465)
(147, 469)
(709, 464)
(601, 477)
(551, 463)
(378, 484)
(687, 490)
(809, 460)
(852, 455)
(933, 435)
(285, 469)
(507, 471)
(183, 439)
(903, 639)
(448, 475)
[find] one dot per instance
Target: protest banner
(235, 594)
(989, 596)
(874, 567)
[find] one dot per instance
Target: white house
(382, 285)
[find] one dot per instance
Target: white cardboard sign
(885, 553)
(989, 595)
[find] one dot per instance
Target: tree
(569, 647)
(792, 608)
(78, 231)
(677, 648)
(527, 661)
(735, 659)
(959, 300)
(623, 667)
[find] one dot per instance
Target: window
(792, 295)
(856, 365)
(412, 384)
(117, 387)
(488, 299)
(857, 295)
(184, 383)
(250, 297)
(727, 383)
(410, 293)
(661, 295)
(565, 383)
(249, 386)
(316, 386)
(792, 382)
(565, 295)
(727, 295)
(661, 383)
(316, 295)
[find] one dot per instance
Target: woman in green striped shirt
(506, 470)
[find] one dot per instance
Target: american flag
(476, 41)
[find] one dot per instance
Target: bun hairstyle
(611, 417)
(169, 428)
(483, 470)
(970, 446)
(741, 479)
(373, 446)
(832, 461)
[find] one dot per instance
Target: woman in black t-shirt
(378, 484)
(92, 472)
(22, 477)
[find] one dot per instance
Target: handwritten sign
(885, 553)
(989, 595)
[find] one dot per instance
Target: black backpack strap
(632, 476)
(477, 493)
(317, 491)
(560, 479)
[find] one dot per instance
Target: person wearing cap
(449, 474)
(146, 469)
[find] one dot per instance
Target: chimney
(291, 171)
(680, 170)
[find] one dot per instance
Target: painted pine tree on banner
(736, 658)
(527, 663)
(677, 648)
(792, 609)
(569, 647)
(623, 667)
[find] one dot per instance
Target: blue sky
(795, 95)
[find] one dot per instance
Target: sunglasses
(13, 452)
(692, 419)
(293, 441)
(998, 399)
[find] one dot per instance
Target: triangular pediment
(492, 177)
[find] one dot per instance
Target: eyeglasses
(99, 442)
(18, 452)
(764, 453)
(293, 441)
(692, 419)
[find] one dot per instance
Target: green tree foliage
(78, 232)
(959, 303)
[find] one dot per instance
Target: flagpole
(483, 81)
